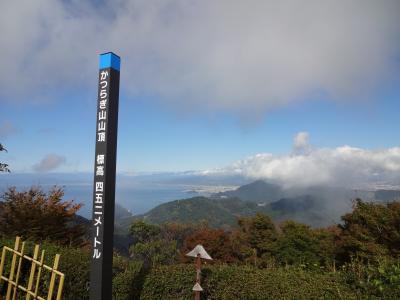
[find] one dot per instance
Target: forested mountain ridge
(216, 212)
(315, 206)
(225, 212)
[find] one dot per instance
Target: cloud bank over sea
(307, 166)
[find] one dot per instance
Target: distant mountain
(296, 204)
(122, 220)
(224, 212)
(387, 195)
(317, 206)
(307, 209)
(121, 212)
(217, 212)
(258, 191)
(79, 220)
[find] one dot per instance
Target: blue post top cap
(109, 60)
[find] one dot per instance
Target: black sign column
(104, 178)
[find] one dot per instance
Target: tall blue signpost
(104, 178)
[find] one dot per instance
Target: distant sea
(136, 199)
(136, 193)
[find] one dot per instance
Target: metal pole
(198, 253)
(198, 273)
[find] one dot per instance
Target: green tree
(156, 252)
(327, 239)
(370, 230)
(36, 215)
(259, 238)
(150, 245)
(143, 232)
(297, 244)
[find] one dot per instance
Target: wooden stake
(13, 262)
(32, 273)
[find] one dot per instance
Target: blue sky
(202, 87)
(153, 137)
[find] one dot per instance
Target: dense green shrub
(243, 282)
(127, 278)
(227, 282)
(378, 279)
(75, 264)
(169, 282)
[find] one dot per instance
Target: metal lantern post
(198, 252)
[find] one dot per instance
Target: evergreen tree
(38, 216)
(370, 230)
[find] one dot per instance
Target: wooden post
(13, 262)
(53, 277)
(39, 273)
(3, 258)
(60, 287)
(32, 273)
(18, 271)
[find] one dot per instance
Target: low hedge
(243, 282)
(169, 282)
(127, 279)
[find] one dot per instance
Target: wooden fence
(12, 283)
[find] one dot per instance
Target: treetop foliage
(371, 229)
(3, 166)
(37, 215)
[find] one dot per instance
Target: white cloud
(49, 162)
(301, 142)
(243, 56)
(342, 166)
